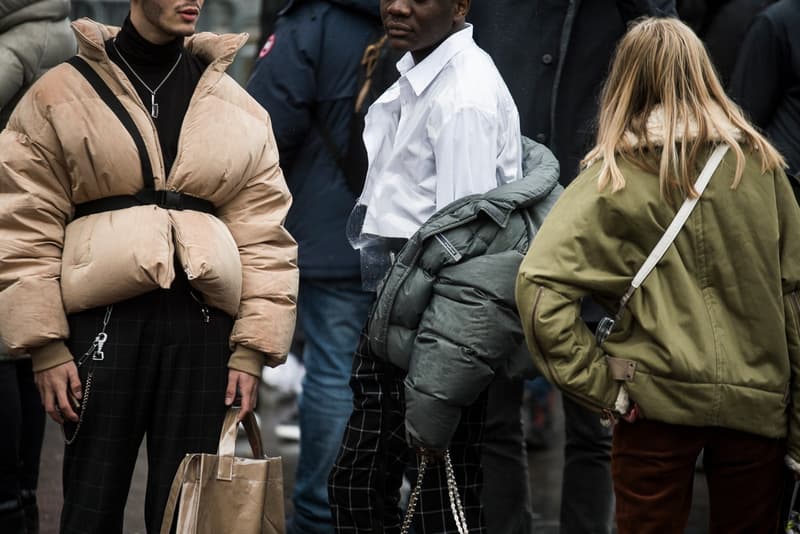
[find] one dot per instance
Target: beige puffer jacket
(64, 146)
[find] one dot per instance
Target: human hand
(632, 415)
(248, 389)
(793, 466)
(61, 391)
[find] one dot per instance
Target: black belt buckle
(171, 200)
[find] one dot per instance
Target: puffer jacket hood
(34, 36)
(15, 12)
(446, 311)
(10, 6)
(367, 7)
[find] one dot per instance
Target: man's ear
(462, 8)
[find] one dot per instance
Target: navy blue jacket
(766, 80)
(309, 72)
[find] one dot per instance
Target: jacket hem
(737, 407)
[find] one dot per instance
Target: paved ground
(545, 472)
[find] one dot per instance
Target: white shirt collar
(421, 75)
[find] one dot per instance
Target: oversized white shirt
(446, 129)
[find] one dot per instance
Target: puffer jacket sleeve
(255, 216)
(469, 328)
(566, 263)
(35, 203)
(789, 213)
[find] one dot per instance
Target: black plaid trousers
(164, 377)
(364, 485)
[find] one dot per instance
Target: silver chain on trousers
(452, 492)
(97, 354)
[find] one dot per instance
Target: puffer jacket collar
(540, 170)
(218, 51)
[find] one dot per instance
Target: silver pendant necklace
(153, 104)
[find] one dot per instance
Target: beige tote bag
(220, 493)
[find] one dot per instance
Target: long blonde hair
(661, 71)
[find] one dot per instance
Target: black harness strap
(171, 200)
(119, 110)
(148, 195)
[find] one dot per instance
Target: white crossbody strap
(606, 325)
(680, 218)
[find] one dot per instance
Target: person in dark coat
(722, 25)
(766, 80)
(270, 9)
(554, 56)
(307, 80)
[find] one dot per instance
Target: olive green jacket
(712, 337)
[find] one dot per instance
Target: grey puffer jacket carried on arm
(446, 311)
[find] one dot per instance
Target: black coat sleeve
(758, 77)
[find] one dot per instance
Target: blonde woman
(707, 352)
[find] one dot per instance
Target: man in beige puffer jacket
(144, 308)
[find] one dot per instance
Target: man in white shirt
(448, 128)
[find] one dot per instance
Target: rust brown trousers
(653, 466)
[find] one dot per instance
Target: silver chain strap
(455, 499)
(86, 392)
(412, 500)
(452, 492)
(97, 354)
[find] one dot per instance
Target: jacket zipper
(794, 298)
(581, 399)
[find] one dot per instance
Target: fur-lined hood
(656, 129)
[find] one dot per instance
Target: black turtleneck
(152, 62)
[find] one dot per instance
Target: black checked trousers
(163, 376)
(364, 485)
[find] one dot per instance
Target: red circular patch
(267, 46)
